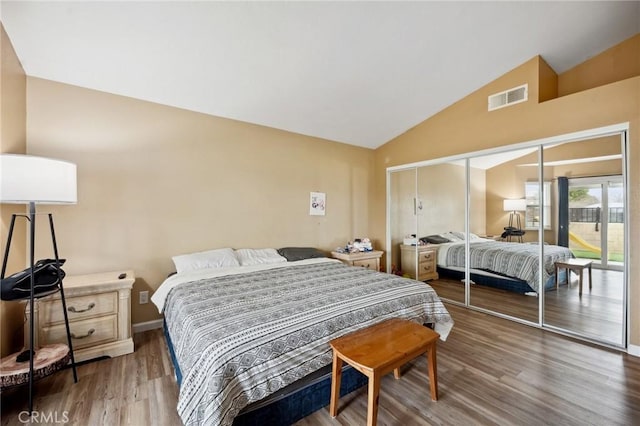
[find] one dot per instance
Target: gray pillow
(300, 253)
(435, 239)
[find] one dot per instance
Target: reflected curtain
(563, 211)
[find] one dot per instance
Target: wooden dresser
(99, 308)
(425, 260)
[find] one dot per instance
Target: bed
(504, 265)
(240, 334)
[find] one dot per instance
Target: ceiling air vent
(509, 97)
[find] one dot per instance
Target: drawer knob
(77, 311)
(89, 333)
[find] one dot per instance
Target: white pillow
(459, 235)
(451, 237)
(259, 256)
(219, 258)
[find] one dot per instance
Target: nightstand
(425, 257)
(365, 259)
(99, 309)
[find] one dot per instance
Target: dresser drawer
(79, 307)
(426, 268)
(426, 256)
(367, 263)
(84, 333)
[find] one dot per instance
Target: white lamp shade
(29, 179)
(515, 205)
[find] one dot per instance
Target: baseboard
(147, 325)
(633, 350)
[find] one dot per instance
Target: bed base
(503, 283)
(292, 403)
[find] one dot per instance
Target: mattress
(516, 260)
(293, 402)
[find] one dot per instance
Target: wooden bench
(576, 265)
(376, 350)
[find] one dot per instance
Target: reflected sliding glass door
(596, 220)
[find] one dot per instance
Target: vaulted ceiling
(354, 72)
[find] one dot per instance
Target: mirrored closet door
(442, 190)
(588, 198)
(402, 211)
(514, 231)
(503, 251)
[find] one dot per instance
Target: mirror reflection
(441, 226)
(402, 218)
(544, 238)
(503, 251)
(588, 218)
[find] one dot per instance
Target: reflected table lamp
(514, 229)
(31, 180)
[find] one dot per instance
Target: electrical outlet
(144, 297)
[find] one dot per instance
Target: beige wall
(617, 63)
(156, 181)
(446, 183)
(467, 126)
(12, 140)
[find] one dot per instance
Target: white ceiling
(354, 72)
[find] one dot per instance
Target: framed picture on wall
(317, 203)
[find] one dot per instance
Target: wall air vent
(509, 97)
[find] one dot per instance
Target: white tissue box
(410, 241)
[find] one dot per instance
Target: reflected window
(532, 214)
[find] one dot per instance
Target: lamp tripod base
(24, 355)
(47, 360)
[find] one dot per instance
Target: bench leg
(336, 378)
(433, 371)
(372, 404)
(396, 373)
(590, 279)
(581, 272)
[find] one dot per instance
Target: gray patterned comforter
(511, 259)
(239, 338)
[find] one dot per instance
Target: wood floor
(490, 372)
(597, 313)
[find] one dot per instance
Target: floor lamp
(31, 180)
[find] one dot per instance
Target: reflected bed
(504, 265)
